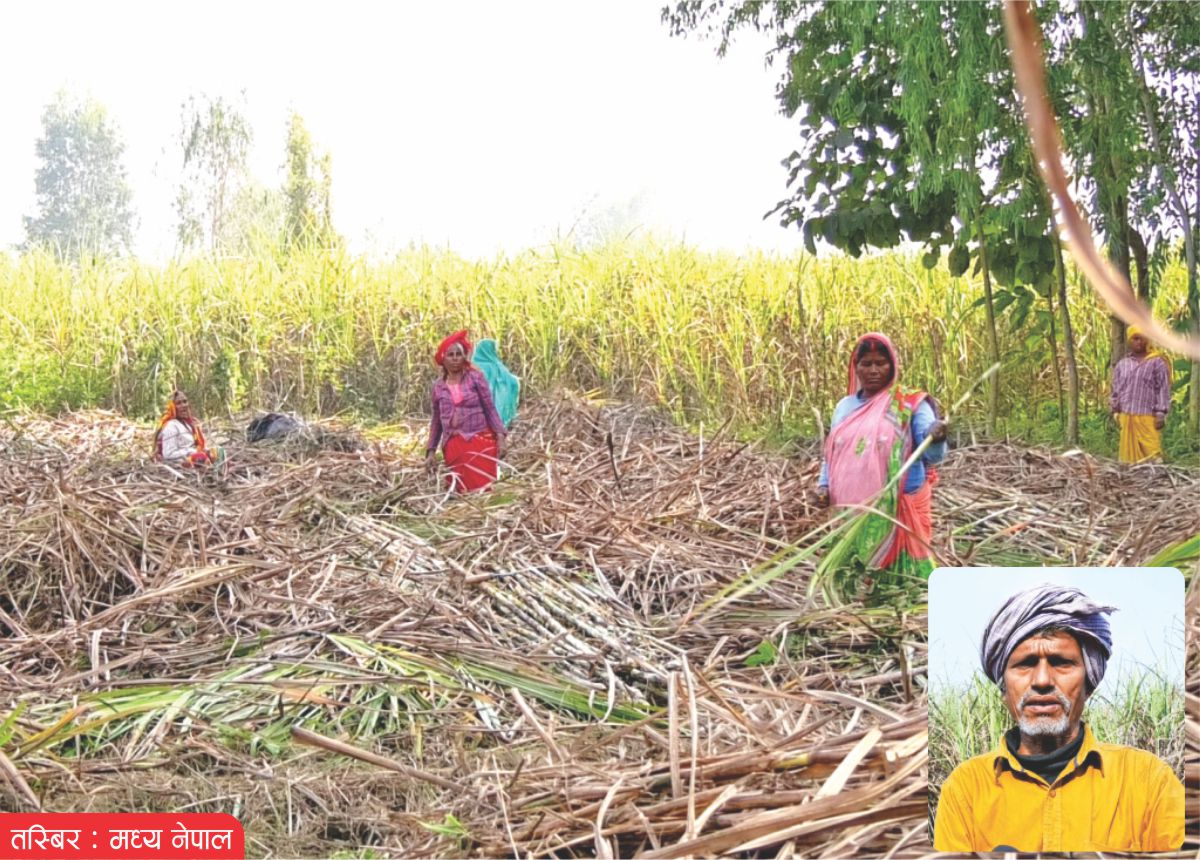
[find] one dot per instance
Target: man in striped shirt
(1141, 396)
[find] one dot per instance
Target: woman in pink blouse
(465, 421)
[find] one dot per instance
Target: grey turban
(1026, 612)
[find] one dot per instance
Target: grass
(1144, 711)
(757, 339)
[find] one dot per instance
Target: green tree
(307, 191)
(910, 131)
(215, 138)
(1163, 42)
(1093, 87)
(1072, 365)
(1125, 81)
(83, 195)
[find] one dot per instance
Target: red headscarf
(444, 346)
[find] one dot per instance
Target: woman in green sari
(875, 430)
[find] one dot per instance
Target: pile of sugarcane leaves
(619, 651)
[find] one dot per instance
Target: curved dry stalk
(1025, 42)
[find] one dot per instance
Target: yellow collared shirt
(1108, 798)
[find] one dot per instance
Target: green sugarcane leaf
(764, 655)
(8, 727)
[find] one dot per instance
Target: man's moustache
(1056, 695)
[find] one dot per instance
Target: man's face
(1045, 685)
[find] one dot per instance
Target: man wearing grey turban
(1050, 785)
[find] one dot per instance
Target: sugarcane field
(348, 657)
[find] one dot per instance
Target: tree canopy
(215, 138)
(910, 130)
(83, 195)
(308, 190)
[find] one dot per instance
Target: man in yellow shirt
(1050, 785)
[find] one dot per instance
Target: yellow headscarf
(1151, 350)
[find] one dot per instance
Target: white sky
(485, 126)
(1147, 627)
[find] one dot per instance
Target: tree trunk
(1194, 306)
(1058, 380)
(1193, 300)
(1068, 346)
(1111, 186)
(1118, 252)
(1141, 265)
(993, 411)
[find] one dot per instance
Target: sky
(487, 127)
(1147, 627)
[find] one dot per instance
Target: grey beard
(1045, 726)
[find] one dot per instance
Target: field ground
(544, 671)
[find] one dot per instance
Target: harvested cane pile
(538, 671)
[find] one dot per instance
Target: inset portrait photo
(1056, 709)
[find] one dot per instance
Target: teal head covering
(506, 388)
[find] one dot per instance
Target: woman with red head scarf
(465, 421)
(875, 429)
(179, 439)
